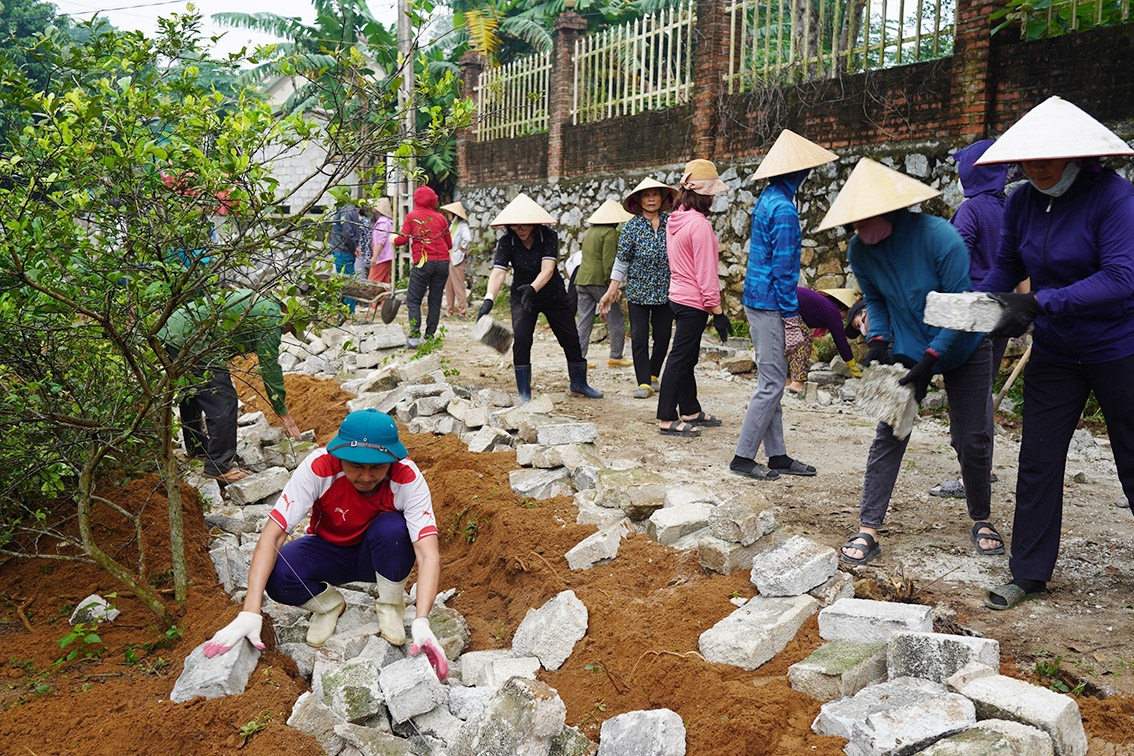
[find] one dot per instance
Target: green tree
(106, 202)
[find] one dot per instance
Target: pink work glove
(246, 625)
(425, 640)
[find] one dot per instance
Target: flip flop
(707, 421)
(1012, 594)
(869, 548)
(976, 537)
(796, 468)
(756, 472)
(949, 489)
(680, 428)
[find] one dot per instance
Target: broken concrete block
(382, 336)
(793, 567)
(231, 566)
(742, 523)
(570, 742)
(490, 397)
(1000, 697)
(426, 425)
(839, 669)
(474, 664)
(937, 656)
(541, 484)
(302, 654)
(428, 406)
(757, 631)
(465, 703)
(840, 586)
(658, 732)
(312, 716)
(487, 439)
(908, 729)
(411, 687)
(288, 453)
(613, 487)
(511, 418)
(352, 691)
(598, 547)
(520, 720)
(551, 632)
(575, 456)
(502, 670)
(381, 651)
(415, 368)
(383, 400)
(369, 741)
(567, 433)
(222, 675)
(971, 742)
(93, 610)
(439, 724)
(838, 717)
(690, 493)
(259, 486)
(973, 311)
(881, 397)
(869, 621)
(668, 524)
(1024, 739)
(967, 673)
(725, 557)
(592, 514)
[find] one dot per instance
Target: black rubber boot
(578, 374)
(524, 382)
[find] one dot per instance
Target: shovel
(390, 306)
(490, 332)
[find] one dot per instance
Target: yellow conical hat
(1051, 130)
(874, 189)
(791, 153)
(522, 210)
(456, 208)
(609, 212)
(847, 296)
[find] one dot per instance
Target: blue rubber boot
(524, 382)
(577, 371)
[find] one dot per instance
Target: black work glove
(723, 326)
(920, 375)
(878, 351)
(1019, 312)
(527, 297)
(485, 308)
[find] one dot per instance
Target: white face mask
(1070, 173)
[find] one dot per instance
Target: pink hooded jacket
(694, 256)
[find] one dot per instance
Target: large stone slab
(259, 486)
(726, 557)
(838, 717)
(658, 732)
(881, 397)
(411, 687)
(551, 632)
(872, 621)
(972, 311)
(520, 720)
(900, 731)
(793, 567)
(222, 675)
(535, 483)
(567, 433)
(1001, 697)
(937, 656)
(742, 522)
(757, 631)
(598, 547)
(839, 669)
(669, 524)
(352, 691)
(312, 716)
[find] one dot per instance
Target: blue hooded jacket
(773, 251)
(980, 217)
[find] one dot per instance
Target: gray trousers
(764, 420)
(589, 297)
(969, 388)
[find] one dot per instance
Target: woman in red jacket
(427, 232)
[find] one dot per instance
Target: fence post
(568, 28)
(710, 64)
(973, 95)
(472, 64)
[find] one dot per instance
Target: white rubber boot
(391, 608)
(326, 608)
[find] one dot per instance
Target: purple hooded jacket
(979, 218)
(1078, 250)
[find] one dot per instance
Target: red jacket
(425, 229)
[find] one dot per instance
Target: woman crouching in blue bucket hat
(371, 519)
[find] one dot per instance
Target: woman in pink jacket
(694, 294)
(382, 241)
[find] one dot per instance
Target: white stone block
(872, 621)
(668, 524)
(793, 567)
(757, 631)
(1001, 697)
(937, 656)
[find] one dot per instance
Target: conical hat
(1051, 130)
(520, 211)
(456, 208)
(631, 204)
(609, 212)
(382, 205)
(874, 189)
(847, 296)
(791, 153)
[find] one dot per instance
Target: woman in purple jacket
(1071, 229)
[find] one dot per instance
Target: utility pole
(404, 185)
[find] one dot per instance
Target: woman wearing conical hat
(643, 264)
(1071, 229)
(600, 246)
(456, 297)
(898, 257)
(382, 241)
(772, 306)
(530, 247)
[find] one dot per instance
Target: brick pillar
(710, 64)
(973, 96)
(472, 63)
(568, 28)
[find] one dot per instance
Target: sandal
(1012, 594)
(230, 475)
(643, 391)
(949, 489)
(756, 471)
(680, 428)
(868, 546)
(976, 537)
(709, 421)
(796, 468)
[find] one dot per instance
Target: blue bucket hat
(367, 437)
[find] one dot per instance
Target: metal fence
(1053, 19)
(791, 41)
(514, 98)
(642, 65)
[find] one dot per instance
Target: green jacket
(260, 329)
(600, 247)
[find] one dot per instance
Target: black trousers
(1055, 394)
(559, 316)
(648, 361)
(208, 419)
(678, 385)
(431, 276)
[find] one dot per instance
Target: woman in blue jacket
(1071, 229)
